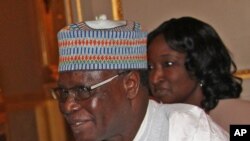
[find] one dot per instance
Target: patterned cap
(102, 45)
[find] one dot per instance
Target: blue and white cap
(102, 45)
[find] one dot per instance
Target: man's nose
(70, 105)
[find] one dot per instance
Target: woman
(189, 63)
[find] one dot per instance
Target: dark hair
(207, 58)
(144, 78)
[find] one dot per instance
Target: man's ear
(132, 83)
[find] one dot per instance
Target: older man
(102, 93)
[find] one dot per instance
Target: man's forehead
(85, 75)
(75, 78)
(81, 73)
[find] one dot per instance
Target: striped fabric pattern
(83, 48)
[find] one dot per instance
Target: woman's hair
(207, 58)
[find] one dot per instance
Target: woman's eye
(168, 64)
(150, 67)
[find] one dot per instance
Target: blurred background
(28, 51)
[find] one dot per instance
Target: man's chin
(80, 137)
(84, 135)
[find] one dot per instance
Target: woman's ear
(132, 83)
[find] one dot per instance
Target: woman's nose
(156, 75)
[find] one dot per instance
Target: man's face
(101, 116)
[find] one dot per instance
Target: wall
(97, 8)
(90, 9)
(19, 49)
(26, 34)
(229, 17)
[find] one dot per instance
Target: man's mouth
(76, 124)
(80, 126)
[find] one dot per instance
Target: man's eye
(61, 90)
(82, 89)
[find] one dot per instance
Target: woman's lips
(160, 91)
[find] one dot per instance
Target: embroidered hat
(102, 45)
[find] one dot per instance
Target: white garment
(178, 122)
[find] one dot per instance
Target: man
(103, 97)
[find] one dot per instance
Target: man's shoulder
(178, 108)
(183, 119)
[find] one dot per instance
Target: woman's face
(169, 80)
